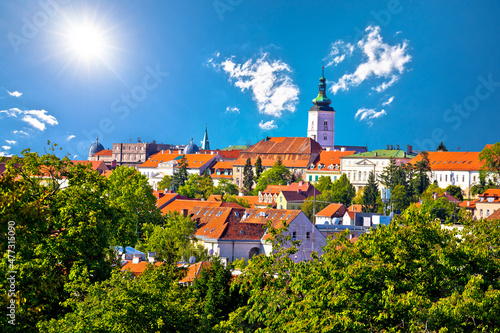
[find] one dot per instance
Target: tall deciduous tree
(277, 175)
(248, 176)
(421, 179)
(343, 191)
(165, 183)
(370, 195)
(225, 187)
(197, 187)
(490, 156)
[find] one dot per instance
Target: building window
(308, 235)
(325, 125)
(316, 178)
(481, 212)
(487, 212)
(474, 178)
(325, 137)
(440, 178)
(294, 235)
(312, 124)
(310, 178)
(463, 178)
(445, 178)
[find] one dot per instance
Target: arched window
(325, 125)
(253, 252)
(325, 137)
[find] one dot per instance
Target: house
(134, 260)
(296, 154)
(453, 168)
(294, 195)
(166, 199)
(221, 170)
(332, 214)
(234, 233)
(358, 167)
(355, 208)
(487, 203)
(327, 164)
(270, 194)
(165, 163)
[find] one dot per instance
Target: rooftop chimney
(180, 151)
(409, 149)
(152, 256)
(184, 212)
(136, 259)
(301, 183)
(170, 151)
(397, 147)
(342, 149)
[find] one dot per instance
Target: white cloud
(36, 118)
(268, 125)
(6, 147)
(381, 60)
(384, 85)
(369, 114)
(34, 122)
(338, 53)
(75, 156)
(268, 80)
(388, 102)
(11, 142)
(70, 137)
(232, 109)
(20, 132)
(43, 116)
(15, 93)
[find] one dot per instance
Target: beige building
(487, 204)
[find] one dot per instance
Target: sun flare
(86, 42)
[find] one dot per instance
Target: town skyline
(397, 73)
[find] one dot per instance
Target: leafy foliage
(277, 175)
(371, 195)
(180, 174)
(197, 187)
(165, 183)
(225, 187)
(455, 191)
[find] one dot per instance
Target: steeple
(206, 143)
(322, 100)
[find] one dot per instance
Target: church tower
(205, 145)
(321, 122)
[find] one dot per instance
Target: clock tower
(321, 122)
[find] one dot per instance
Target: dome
(191, 148)
(95, 147)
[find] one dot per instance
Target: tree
(455, 191)
(278, 174)
(441, 147)
(483, 184)
(180, 174)
(421, 180)
(258, 169)
(165, 183)
(313, 205)
(324, 184)
(172, 240)
(490, 156)
(343, 191)
(152, 303)
(61, 235)
(240, 201)
(226, 187)
(248, 176)
(197, 187)
(131, 196)
(371, 195)
(400, 200)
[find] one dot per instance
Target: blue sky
(415, 72)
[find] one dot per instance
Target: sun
(87, 42)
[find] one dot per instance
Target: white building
(453, 168)
(235, 233)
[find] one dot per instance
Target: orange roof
(251, 199)
(274, 189)
(223, 165)
(355, 208)
(166, 198)
(212, 221)
(327, 158)
(139, 268)
(449, 160)
(180, 204)
(468, 204)
(107, 173)
(158, 158)
(491, 193)
(105, 152)
(194, 271)
(331, 209)
(215, 197)
(298, 152)
(196, 161)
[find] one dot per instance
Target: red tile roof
(355, 208)
(446, 160)
(274, 189)
(495, 215)
(105, 152)
(295, 152)
(95, 165)
(179, 204)
(491, 193)
(166, 199)
(223, 165)
(327, 158)
(194, 271)
(138, 269)
(158, 158)
(333, 209)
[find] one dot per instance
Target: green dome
(321, 99)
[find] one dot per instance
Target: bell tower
(321, 122)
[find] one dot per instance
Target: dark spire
(206, 143)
